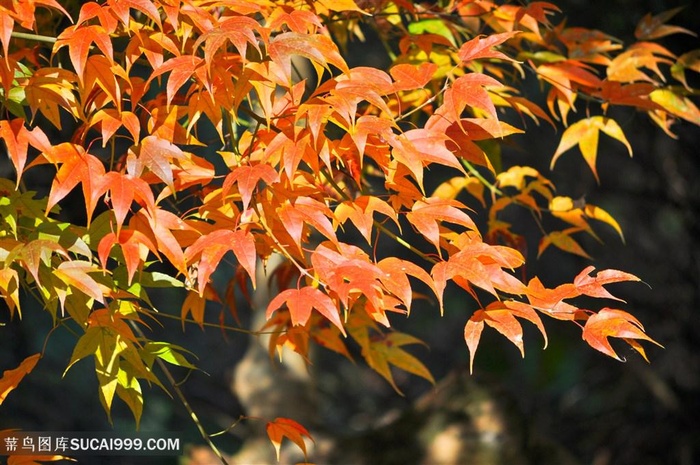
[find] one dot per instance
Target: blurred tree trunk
(462, 421)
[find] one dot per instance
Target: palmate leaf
(18, 139)
(123, 190)
(279, 428)
(426, 214)
(134, 247)
(181, 69)
(677, 105)
(305, 210)
(247, 178)
(238, 30)
(360, 212)
(156, 154)
(584, 133)
(654, 26)
(610, 322)
(74, 273)
(563, 241)
(79, 39)
(300, 302)
(169, 232)
(593, 285)
(382, 351)
(502, 317)
(482, 47)
(208, 250)
(319, 49)
(9, 290)
(407, 76)
(76, 167)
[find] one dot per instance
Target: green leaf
(170, 353)
(432, 26)
(129, 390)
(87, 345)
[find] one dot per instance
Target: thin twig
(184, 401)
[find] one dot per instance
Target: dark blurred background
(603, 411)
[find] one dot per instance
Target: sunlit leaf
(610, 322)
(279, 428)
(584, 133)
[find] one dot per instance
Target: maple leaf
(299, 21)
(17, 141)
(103, 13)
(584, 133)
(154, 153)
(563, 241)
(146, 7)
(75, 274)
(124, 189)
(626, 66)
(50, 89)
(481, 47)
(577, 214)
(451, 188)
(77, 167)
(279, 428)
(300, 302)
(551, 301)
(211, 248)
(350, 275)
(424, 216)
(407, 76)
(676, 104)
(501, 317)
(381, 351)
(239, 30)
(246, 178)
(653, 27)
(480, 264)
(102, 75)
(39, 251)
(610, 322)
(134, 246)
(387, 351)
(306, 210)
(360, 212)
(11, 378)
(79, 39)
(9, 290)
(395, 278)
(159, 225)
(182, 69)
(565, 77)
(468, 90)
(318, 48)
(194, 304)
(593, 286)
(110, 121)
(690, 60)
(635, 94)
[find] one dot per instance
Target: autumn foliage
(202, 137)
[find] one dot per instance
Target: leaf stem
(35, 37)
(474, 172)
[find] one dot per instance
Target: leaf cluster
(306, 149)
